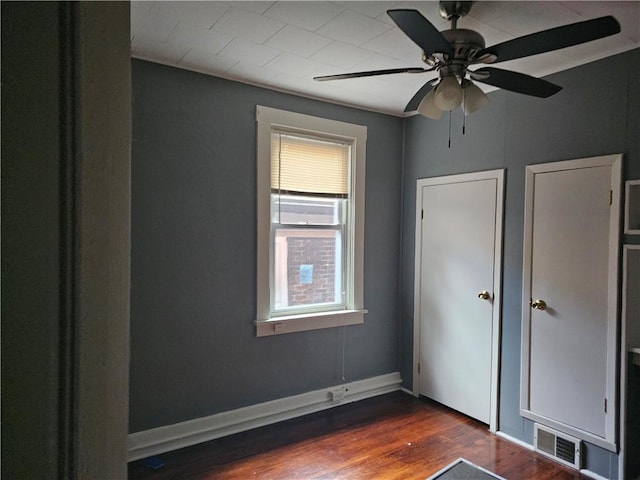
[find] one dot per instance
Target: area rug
(462, 469)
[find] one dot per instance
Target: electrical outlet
(337, 395)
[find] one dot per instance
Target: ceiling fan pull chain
(464, 123)
(449, 128)
(464, 107)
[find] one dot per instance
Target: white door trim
(625, 345)
(498, 175)
(615, 161)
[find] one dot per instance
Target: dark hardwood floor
(393, 436)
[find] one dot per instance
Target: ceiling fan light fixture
(448, 94)
(428, 107)
(474, 97)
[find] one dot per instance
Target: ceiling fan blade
(420, 94)
(372, 73)
(515, 82)
(421, 31)
(552, 39)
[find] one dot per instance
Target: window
(310, 207)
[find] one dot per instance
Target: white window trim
(266, 120)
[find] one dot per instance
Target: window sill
(310, 321)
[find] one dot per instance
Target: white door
(571, 275)
(458, 249)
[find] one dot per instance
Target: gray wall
(596, 113)
(193, 299)
(194, 350)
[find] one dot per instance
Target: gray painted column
(103, 206)
(31, 231)
(66, 136)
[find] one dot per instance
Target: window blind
(302, 165)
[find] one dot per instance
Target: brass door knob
(538, 304)
(484, 295)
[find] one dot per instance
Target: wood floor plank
(390, 437)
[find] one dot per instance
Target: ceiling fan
(452, 51)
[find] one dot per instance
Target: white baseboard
(179, 435)
(406, 390)
(514, 440)
(590, 474)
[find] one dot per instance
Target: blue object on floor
(153, 462)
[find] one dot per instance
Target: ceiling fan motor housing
(454, 10)
(465, 43)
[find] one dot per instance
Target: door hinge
(605, 405)
(610, 197)
(422, 214)
(418, 368)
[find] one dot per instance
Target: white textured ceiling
(283, 44)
